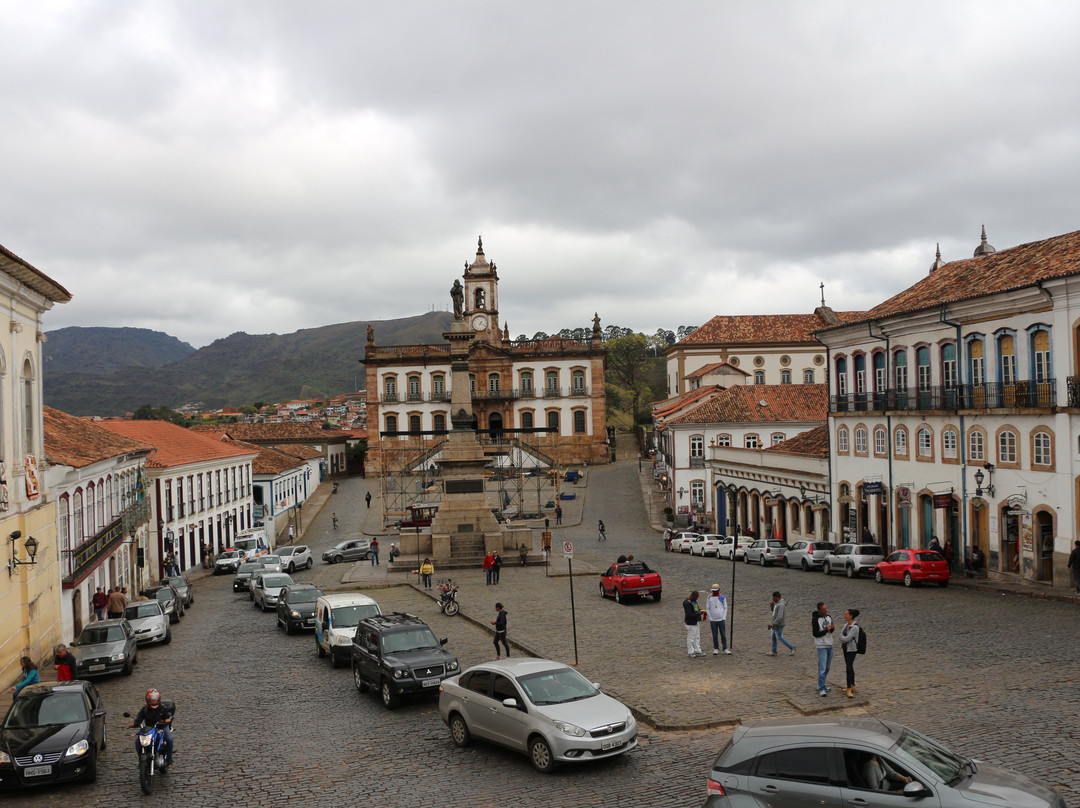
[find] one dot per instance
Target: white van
(336, 618)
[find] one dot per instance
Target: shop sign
(943, 500)
(871, 489)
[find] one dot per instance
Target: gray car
(182, 585)
(538, 707)
(348, 550)
(148, 620)
(266, 588)
(294, 558)
(853, 559)
(808, 554)
(106, 646)
(765, 552)
(856, 761)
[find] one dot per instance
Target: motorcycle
(448, 604)
(150, 747)
(334, 490)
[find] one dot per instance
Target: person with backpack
(852, 642)
(821, 625)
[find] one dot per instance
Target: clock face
(479, 322)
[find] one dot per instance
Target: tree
(634, 368)
(148, 412)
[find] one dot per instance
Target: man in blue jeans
(822, 626)
(779, 609)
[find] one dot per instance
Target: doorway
(1044, 543)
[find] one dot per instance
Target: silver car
(270, 562)
(294, 558)
(148, 620)
(853, 761)
(808, 554)
(764, 552)
(853, 559)
(266, 588)
(542, 708)
(227, 561)
(348, 550)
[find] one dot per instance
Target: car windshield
(164, 594)
(637, 568)
(95, 635)
(285, 551)
(177, 582)
(345, 616)
(45, 709)
(276, 580)
(415, 639)
(930, 754)
(148, 608)
(247, 568)
(557, 687)
(304, 595)
(228, 554)
(269, 561)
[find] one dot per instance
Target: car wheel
(390, 699)
(827, 567)
(717, 555)
(851, 572)
(319, 649)
(91, 770)
(540, 755)
(358, 680)
(656, 596)
(292, 568)
(879, 577)
(942, 583)
(618, 595)
(128, 668)
(603, 594)
(787, 566)
(337, 559)
(168, 636)
(908, 580)
(459, 731)
(307, 566)
(761, 559)
(746, 558)
(805, 566)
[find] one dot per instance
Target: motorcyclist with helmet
(155, 712)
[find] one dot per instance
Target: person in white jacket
(716, 607)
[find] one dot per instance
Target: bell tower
(481, 303)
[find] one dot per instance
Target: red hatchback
(633, 579)
(913, 567)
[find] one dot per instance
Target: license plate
(97, 667)
(606, 745)
(430, 683)
(37, 771)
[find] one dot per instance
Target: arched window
(91, 513)
(808, 376)
(900, 371)
(842, 439)
(479, 298)
(414, 424)
(723, 439)
(438, 385)
(879, 441)
(948, 444)
(976, 446)
(579, 422)
(1042, 449)
(785, 377)
(759, 377)
(1006, 344)
(29, 409)
(77, 525)
(900, 441)
(948, 365)
(859, 361)
(526, 420)
(697, 447)
(777, 438)
(1040, 354)
(976, 362)
(391, 423)
(751, 441)
(64, 508)
(414, 388)
(493, 382)
(1007, 447)
(553, 420)
(926, 443)
(438, 422)
(552, 385)
(526, 383)
(841, 376)
(881, 374)
(390, 388)
(577, 380)
(860, 440)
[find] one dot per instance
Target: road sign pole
(568, 548)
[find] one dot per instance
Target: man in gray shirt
(779, 608)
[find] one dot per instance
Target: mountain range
(110, 371)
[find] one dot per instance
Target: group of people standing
(492, 566)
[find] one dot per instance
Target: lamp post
(734, 547)
(31, 545)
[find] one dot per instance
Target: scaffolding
(522, 478)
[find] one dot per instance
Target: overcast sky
(204, 168)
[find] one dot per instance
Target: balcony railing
(398, 398)
(994, 395)
(503, 394)
(76, 563)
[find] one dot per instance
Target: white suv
(293, 558)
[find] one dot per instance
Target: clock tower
(481, 304)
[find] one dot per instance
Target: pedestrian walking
(116, 603)
(524, 552)
(779, 620)
(203, 553)
(496, 567)
(849, 641)
(558, 514)
(716, 607)
(100, 601)
(500, 631)
(333, 518)
(1073, 566)
(489, 560)
(822, 627)
(65, 663)
(367, 498)
(374, 552)
(427, 569)
(601, 535)
(290, 534)
(692, 615)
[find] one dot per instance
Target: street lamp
(979, 477)
(31, 545)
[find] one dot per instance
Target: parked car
(296, 607)
(182, 585)
(53, 732)
(270, 562)
(106, 646)
(853, 559)
(808, 554)
(765, 552)
(914, 567)
(737, 547)
(829, 761)
(538, 707)
(242, 579)
(697, 544)
(227, 561)
(293, 558)
(169, 598)
(256, 574)
(336, 617)
(148, 621)
(680, 542)
(710, 545)
(398, 655)
(266, 588)
(633, 579)
(348, 550)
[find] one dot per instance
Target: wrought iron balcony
(77, 562)
(994, 395)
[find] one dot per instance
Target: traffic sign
(568, 549)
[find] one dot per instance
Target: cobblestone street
(261, 720)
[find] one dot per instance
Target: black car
(242, 578)
(171, 600)
(53, 732)
(296, 607)
(398, 655)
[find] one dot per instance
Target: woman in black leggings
(849, 641)
(500, 630)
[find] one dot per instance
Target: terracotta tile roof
(665, 408)
(32, 277)
(737, 329)
(174, 445)
(298, 450)
(812, 443)
(275, 432)
(268, 459)
(71, 441)
(761, 403)
(702, 371)
(1013, 268)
